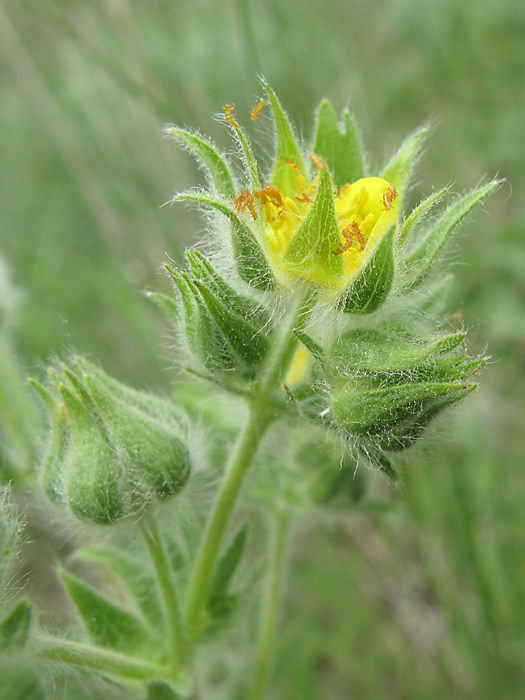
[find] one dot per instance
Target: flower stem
(261, 415)
(251, 435)
(103, 660)
(168, 590)
(270, 605)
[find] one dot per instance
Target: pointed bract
(311, 250)
(207, 154)
(400, 166)
(370, 287)
(339, 148)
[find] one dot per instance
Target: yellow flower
(328, 245)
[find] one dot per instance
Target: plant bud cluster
(321, 225)
(112, 451)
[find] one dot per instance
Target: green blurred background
(427, 601)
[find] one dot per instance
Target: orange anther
(255, 111)
(318, 162)
(228, 116)
(389, 197)
(352, 234)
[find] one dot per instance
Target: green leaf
(14, 629)
(160, 690)
(340, 148)
(428, 251)
(250, 259)
(227, 566)
(417, 216)
(399, 168)
(207, 154)
(283, 175)
(311, 345)
(137, 579)
(20, 679)
(369, 289)
(242, 336)
(108, 624)
(312, 246)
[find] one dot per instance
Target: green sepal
(404, 433)
(10, 531)
(244, 306)
(375, 412)
(15, 628)
(370, 287)
(340, 149)
(398, 169)
(206, 154)
(417, 216)
(155, 458)
(312, 246)
(108, 624)
(93, 492)
(202, 335)
(50, 465)
(283, 176)
(311, 345)
(369, 352)
(248, 158)
(250, 260)
(166, 303)
(189, 303)
(248, 344)
(378, 459)
(135, 577)
(421, 260)
(435, 300)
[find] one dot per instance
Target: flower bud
(113, 451)
(388, 386)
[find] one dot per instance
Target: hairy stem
(261, 415)
(102, 660)
(251, 435)
(170, 597)
(271, 605)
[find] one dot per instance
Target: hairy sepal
(288, 150)
(396, 415)
(207, 154)
(408, 230)
(243, 337)
(250, 260)
(339, 147)
(311, 249)
(371, 285)
(420, 261)
(400, 166)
